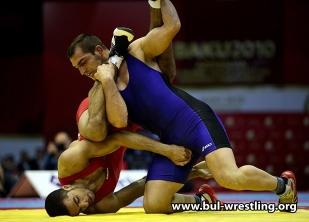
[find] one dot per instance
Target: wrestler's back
(158, 106)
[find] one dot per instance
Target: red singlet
(112, 162)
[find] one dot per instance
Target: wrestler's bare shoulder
(135, 49)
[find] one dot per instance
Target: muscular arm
(159, 39)
(179, 155)
(116, 109)
(76, 157)
(121, 198)
(166, 60)
(92, 123)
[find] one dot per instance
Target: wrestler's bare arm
(113, 202)
(178, 154)
(76, 157)
(116, 109)
(159, 39)
(92, 123)
(166, 60)
(105, 102)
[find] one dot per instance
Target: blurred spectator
(306, 104)
(51, 157)
(54, 148)
(62, 140)
(10, 172)
(2, 190)
(39, 156)
(26, 163)
(136, 159)
(43, 160)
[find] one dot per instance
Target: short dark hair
(86, 42)
(54, 205)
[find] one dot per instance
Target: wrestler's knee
(151, 209)
(153, 206)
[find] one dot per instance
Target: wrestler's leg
(222, 165)
(164, 179)
(166, 60)
(159, 194)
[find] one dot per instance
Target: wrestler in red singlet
(112, 162)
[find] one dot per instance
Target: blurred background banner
(231, 42)
(36, 183)
(247, 59)
(265, 99)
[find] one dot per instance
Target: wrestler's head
(69, 200)
(86, 53)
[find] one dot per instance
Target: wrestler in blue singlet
(175, 116)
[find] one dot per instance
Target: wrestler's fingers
(179, 163)
(183, 162)
(188, 154)
(96, 75)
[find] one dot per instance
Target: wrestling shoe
(290, 194)
(122, 37)
(206, 193)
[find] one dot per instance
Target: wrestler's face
(78, 199)
(87, 63)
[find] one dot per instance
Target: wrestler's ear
(101, 51)
(67, 187)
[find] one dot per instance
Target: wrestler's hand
(200, 170)
(106, 71)
(180, 155)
